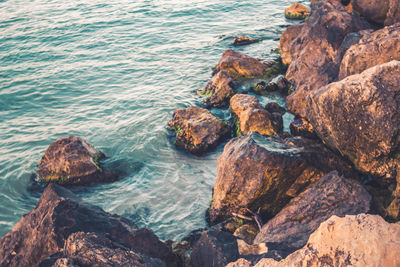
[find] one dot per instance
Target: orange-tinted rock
(72, 160)
(373, 49)
(297, 11)
(286, 39)
(219, 90)
(252, 117)
(197, 130)
(244, 41)
(257, 172)
(382, 12)
(301, 127)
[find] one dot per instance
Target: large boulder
(373, 49)
(197, 130)
(381, 12)
(355, 240)
(257, 172)
(359, 118)
(59, 213)
(331, 195)
(72, 160)
(286, 39)
(297, 11)
(250, 116)
(219, 90)
(313, 52)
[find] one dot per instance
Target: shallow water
(113, 72)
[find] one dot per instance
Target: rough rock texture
(297, 11)
(253, 117)
(197, 130)
(244, 41)
(247, 232)
(301, 127)
(286, 39)
(330, 195)
(359, 117)
(382, 12)
(257, 172)
(313, 52)
(58, 214)
(240, 263)
(214, 249)
(355, 240)
(72, 160)
(273, 107)
(373, 49)
(240, 66)
(219, 90)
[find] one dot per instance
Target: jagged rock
(219, 90)
(297, 11)
(313, 52)
(359, 117)
(247, 249)
(197, 130)
(382, 12)
(58, 214)
(355, 240)
(240, 263)
(244, 41)
(273, 107)
(257, 172)
(301, 127)
(252, 117)
(240, 66)
(246, 232)
(286, 39)
(64, 262)
(330, 195)
(373, 49)
(72, 160)
(214, 249)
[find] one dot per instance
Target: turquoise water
(113, 72)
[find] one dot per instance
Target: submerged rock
(359, 117)
(244, 41)
(257, 172)
(72, 160)
(373, 49)
(297, 11)
(330, 195)
(382, 12)
(197, 130)
(355, 240)
(252, 117)
(59, 213)
(219, 90)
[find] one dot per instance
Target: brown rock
(240, 263)
(373, 49)
(330, 195)
(257, 172)
(301, 127)
(297, 11)
(247, 249)
(72, 160)
(219, 90)
(313, 52)
(355, 240)
(197, 130)
(244, 41)
(273, 107)
(359, 117)
(252, 117)
(246, 232)
(382, 12)
(286, 40)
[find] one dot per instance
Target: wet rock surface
(297, 11)
(301, 127)
(219, 90)
(257, 172)
(252, 117)
(72, 160)
(331, 195)
(244, 41)
(197, 130)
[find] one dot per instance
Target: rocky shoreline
(326, 194)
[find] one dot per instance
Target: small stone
(297, 11)
(244, 41)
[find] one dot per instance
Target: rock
(286, 39)
(355, 240)
(330, 195)
(247, 249)
(219, 90)
(273, 107)
(284, 86)
(197, 130)
(314, 51)
(297, 11)
(58, 214)
(375, 48)
(301, 127)
(240, 263)
(246, 232)
(358, 116)
(381, 12)
(64, 262)
(215, 248)
(257, 172)
(90, 249)
(72, 160)
(240, 66)
(244, 41)
(263, 88)
(252, 117)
